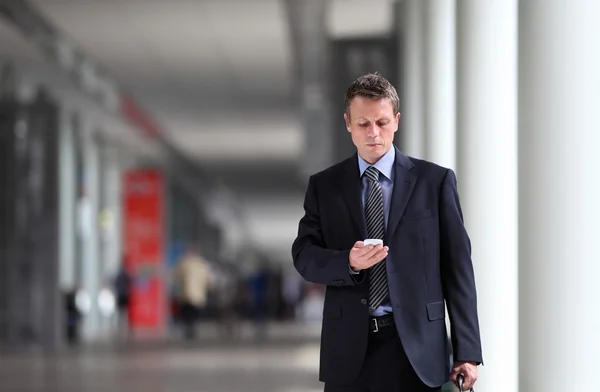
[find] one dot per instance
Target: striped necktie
(378, 288)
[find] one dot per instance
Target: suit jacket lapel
(405, 178)
(349, 183)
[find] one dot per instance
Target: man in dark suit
(384, 324)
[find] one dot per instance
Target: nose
(372, 131)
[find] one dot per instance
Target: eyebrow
(379, 119)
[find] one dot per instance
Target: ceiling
(215, 73)
(31, 62)
(14, 45)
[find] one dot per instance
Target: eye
(383, 123)
(362, 125)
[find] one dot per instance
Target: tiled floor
(285, 363)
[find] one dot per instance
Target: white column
(111, 212)
(440, 82)
(88, 212)
(412, 93)
(67, 201)
(559, 188)
(308, 30)
(487, 176)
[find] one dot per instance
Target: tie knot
(372, 174)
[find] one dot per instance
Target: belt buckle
(376, 325)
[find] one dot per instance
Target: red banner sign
(143, 219)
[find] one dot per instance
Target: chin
(372, 155)
(378, 150)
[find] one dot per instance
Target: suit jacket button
(363, 301)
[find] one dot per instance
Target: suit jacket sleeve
(312, 260)
(458, 278)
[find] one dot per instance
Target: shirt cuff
(352, 272)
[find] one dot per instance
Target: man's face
(372, 124)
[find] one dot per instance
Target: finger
(363, 258)
(455, 371)
(381, 253)
(367, 248)
(469, 382)
(377, 257)
(374, 257)
(361, 254)
(359, 244)
(358, 257)
(374, 250)
(368, 252)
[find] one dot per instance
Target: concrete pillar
(412, 76)
(111, 212)
(308, 25)
(440, 82)
(109, 226)
(67, 201)
(88, 219)
(487, 175)
(559, 188)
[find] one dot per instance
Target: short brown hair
(373, 86)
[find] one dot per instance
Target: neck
(371, 161)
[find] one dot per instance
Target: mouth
(373, 144)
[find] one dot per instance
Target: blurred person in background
(384, 324)
(122, 285)
(259, 291)
(275, 300)
(292, 291)
(72, 315)
(226, 294)
(192, 281)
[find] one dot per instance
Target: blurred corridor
(154, 158)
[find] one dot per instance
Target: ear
(397, 121)
(347, 119)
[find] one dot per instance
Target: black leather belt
(377, 323)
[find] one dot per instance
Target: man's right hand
(363, 257)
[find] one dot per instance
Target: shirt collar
(385, 164)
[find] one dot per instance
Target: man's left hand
(468, 370)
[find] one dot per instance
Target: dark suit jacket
(431, 255)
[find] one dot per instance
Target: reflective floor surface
(285, 361)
